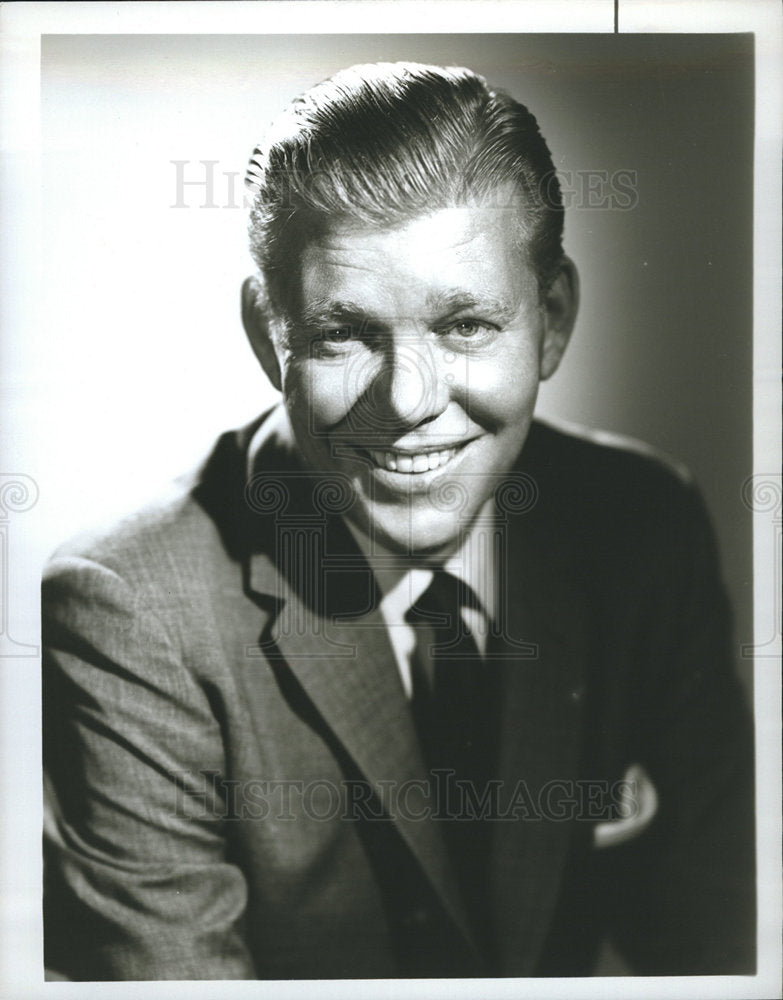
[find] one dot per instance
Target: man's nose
(411, 387)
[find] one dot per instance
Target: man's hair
(381, 143)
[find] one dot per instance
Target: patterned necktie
(454, 703)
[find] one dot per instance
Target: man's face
(412, 367)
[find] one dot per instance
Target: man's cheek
(503, 403)
(506, 381)
(312, 395)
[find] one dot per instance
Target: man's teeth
(396, 461)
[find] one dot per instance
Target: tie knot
(441, 604)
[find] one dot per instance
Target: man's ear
(561, 302)
(257, 321)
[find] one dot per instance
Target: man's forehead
(448, 237)
(447, 245)
(503, 208)
(433, 266)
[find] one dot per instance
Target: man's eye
(467, 328)
(337, 334)
(334, 341)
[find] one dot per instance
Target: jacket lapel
(325, 628)
(541, 725)
(349, 675)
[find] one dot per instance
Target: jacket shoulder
(614, 492)
(562, 444)
(611, 468)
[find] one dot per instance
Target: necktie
(454, 702)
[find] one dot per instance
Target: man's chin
(423, 537)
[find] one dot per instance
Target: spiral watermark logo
(299, 496)
(18, 494)
(267, 493)
(763, 495)
(449, 495)
(517, 493)
(334, 494)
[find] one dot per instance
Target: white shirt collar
(402, 582)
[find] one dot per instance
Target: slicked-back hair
(382, 143)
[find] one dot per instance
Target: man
(400, 682)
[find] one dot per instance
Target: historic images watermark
(203, 794)
(205, 184)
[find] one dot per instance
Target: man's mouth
(411, 462)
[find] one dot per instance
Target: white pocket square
(637, 806)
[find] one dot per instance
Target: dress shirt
(402, 581)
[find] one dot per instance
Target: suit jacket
(234, 785)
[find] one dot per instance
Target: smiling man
(401, 682)
(396, 360)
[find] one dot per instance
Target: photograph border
(23, 24)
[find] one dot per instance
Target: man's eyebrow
(456, 300)
(324, 311)
(440, 305)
